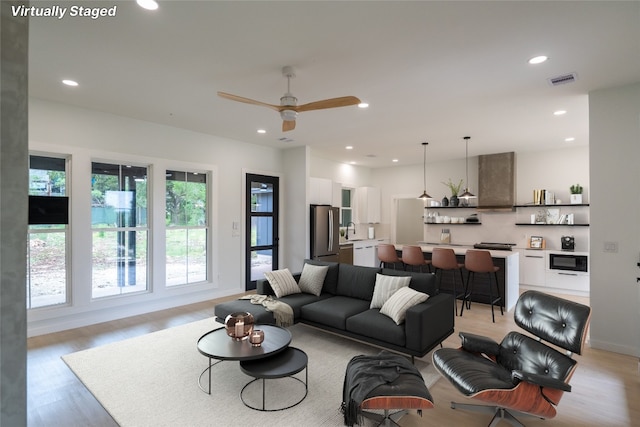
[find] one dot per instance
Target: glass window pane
(119, 262)
(346, 198)
(261, 197)
(261, 261)
(346, 217)
(261, 231)
(118, 195)
(47, 272)
(186, 218)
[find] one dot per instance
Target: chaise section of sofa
(343, 307)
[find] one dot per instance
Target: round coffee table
(281, 365)
(218, 345)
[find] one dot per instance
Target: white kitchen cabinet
(533, 267)
(321, 191)
(365, 252)
(368, 205)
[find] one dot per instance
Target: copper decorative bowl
(239, 325)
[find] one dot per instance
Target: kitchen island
(508, 275)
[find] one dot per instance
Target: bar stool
(413, 256)
(444, 259)
(479, 261)
(387, 255)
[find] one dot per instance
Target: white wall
(614, 127)
(88, 135)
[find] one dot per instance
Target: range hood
(497, 181)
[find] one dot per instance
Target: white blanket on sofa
(282, 312)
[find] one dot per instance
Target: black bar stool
(479, 261)
(444, 259)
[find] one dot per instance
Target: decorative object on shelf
(424, 195)
(445, 201)
(536, 242)
(467, 194)
(568, 243)
(553, 216)
(543, 197)
(239, 325)
(455, 189)
(256, 337)
(576, 194)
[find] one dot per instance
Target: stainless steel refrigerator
(325, 233)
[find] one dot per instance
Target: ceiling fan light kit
(289, 107)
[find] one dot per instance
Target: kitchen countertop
(459, 249)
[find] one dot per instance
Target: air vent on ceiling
(566, 78)
(285, 139)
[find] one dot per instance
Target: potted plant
(576, 194)
(455, 190)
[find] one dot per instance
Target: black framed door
(261, 245)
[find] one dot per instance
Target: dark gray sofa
(343, 308)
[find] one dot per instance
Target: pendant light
(424, 195)
(467, 194)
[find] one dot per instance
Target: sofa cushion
(421, 282)
(396, 307)
(312, 278)
(373, 324)
(356, 281)
(333, 311)
(331, 279)
(385, 287)
(282, 282)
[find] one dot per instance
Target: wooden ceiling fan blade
(288, 125)
(248, 100)
(344, 101)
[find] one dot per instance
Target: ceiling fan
(289, 107)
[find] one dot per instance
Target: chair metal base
(387, 419)
(499, 413)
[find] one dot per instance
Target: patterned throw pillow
(282, 282)
(385, 287)
(396, 307)
(312, 278)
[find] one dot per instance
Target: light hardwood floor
(606, 386)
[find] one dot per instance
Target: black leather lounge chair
(522, 374)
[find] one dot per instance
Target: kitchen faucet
(354, 230)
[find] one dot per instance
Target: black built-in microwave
(568, 262)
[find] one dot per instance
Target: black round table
(218, 345)
(283, 364)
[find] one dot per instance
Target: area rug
(152, 380)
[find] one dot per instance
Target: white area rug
(152, 381)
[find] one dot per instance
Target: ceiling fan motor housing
(288, 100)
(288, 115)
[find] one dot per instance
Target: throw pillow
(282, 282)
(312, 278)
(385, 287)
(396, 307)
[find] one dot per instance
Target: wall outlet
(611, 247)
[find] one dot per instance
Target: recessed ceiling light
(261, 131)
(363, 105)
(538, 60)
(352, 163)
(559, 112)
(147, 4)
(395, 160)
(570, 139)
(349, 147)
(70, 82)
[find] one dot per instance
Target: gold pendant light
(424, 195)
(467, 194)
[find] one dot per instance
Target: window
(346, 210)
(119, 229)
(186, 236)
(47, 272)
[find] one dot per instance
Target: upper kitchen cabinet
(324, 192)
(368, 205)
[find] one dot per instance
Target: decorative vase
(576, 199)
(239, 325)
(454, 201)
(445, 201)
(256, 337)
